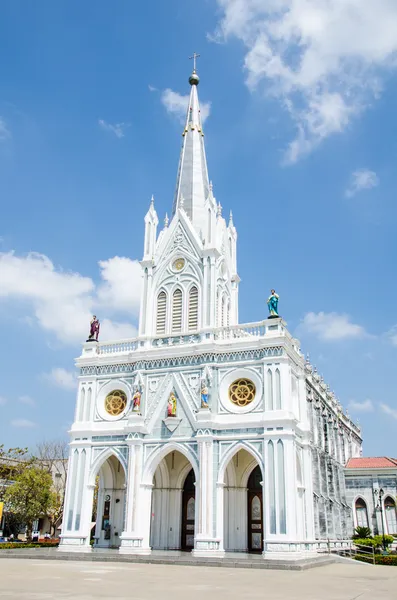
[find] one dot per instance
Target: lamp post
(379, 494)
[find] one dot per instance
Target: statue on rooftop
(94, 330)
(272, 303)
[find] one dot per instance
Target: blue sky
(301, 145)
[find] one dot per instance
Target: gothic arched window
(161, 313)
(361, 513)
(177, 311)
(391, 515)
(193, 309)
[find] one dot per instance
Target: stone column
(206, 544)
(135, 537)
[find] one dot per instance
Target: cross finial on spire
(194, 57)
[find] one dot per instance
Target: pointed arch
(361, 512)
(269, 387)
(209, 225)
(281, 486)
(88, 405)
(148, 236)
(177, 310)
(82, 405)
(100, 461)
(232, 451)
(390, 515)
(277, 389)
(272, 486)
(161, 313)
(157, 456)
(193, 309)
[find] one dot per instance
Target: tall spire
(192, 181)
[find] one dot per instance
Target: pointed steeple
(192, 181)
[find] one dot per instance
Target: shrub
(362, 533)
(369, 542)
(380, 559)
(14, 545)
(388, 540)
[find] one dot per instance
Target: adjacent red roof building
(377, 462)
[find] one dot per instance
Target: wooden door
(255, 512)
(188, 512)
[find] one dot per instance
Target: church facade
(202, 433)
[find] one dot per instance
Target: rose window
(242, 392)
(115, 403)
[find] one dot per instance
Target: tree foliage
(12, 462)
(52, 456)
(30, 496)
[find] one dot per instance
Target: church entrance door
(188, 512)
(255, 511)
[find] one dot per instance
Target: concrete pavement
(68, 580)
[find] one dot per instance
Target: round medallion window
(115, 403)
(179, 263)
(242, 392)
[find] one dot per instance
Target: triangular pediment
(185, 417)
(181, 237)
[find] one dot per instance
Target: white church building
(205, 434)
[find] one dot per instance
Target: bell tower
(190, 269)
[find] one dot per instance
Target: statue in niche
(204, 394)
(94, 330)
(136, 401)
(272, 303)
(172, 405)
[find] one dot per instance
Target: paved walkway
(66, 580)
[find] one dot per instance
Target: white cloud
(3, 401)
(388, 410)
(362, 179)
(61, 378)
(4, 131)
(117, 129)
(325, 60)
(392, 335)
(152, 88)
(27, 400)
(365, 406)
(63, 302)
(22, 423)
(331, 326)
(121, 287)
(116, 331)
(176, 105)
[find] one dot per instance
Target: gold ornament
(242, 392)
(179, 263)
(115, 403)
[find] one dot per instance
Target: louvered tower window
(177, 311)
(193, 309)
(161, 312)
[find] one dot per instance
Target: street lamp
(379, 494)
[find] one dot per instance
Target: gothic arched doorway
(255, 511)
(188, 511)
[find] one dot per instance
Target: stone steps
(244, 562)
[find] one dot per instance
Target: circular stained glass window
(179, 263)
(242, 392)
(115, 403)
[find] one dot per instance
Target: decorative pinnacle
(152, 202)
(194, 79)
(166, 221)
(219, 210)
(230, 219)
